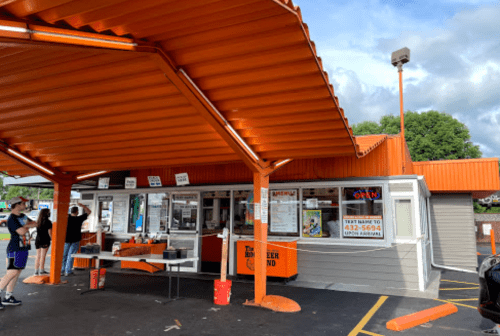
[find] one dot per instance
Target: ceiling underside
(77, 109)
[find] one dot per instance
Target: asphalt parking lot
(134, 304)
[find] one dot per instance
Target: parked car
(33, 215)
(3, 219)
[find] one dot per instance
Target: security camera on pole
(398, 58)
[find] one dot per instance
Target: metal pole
(402, 117)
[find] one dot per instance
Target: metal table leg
(170, 283)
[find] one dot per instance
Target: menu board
(155, 211)
(119, 213)
(154, 215)
(284, 211)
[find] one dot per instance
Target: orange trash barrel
(93, 278)
(222, 292)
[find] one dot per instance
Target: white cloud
(454, 67)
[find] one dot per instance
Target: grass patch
(4, 236)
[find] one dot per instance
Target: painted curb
(415, 319)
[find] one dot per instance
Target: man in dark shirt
(17, 250)
(73, 237)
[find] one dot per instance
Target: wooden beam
(205, 109)
(57, 177)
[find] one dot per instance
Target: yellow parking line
(369, 333)
(462, 299)
(450, 289)
(368, 316)
(467, 283)
(457, 304)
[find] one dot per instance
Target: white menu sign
(154, 181)
(130, 182)
(182, 179)
(119, 213)
(264, 205)
(103, 183)
(256, 211)
(154, 217)
(284, 211)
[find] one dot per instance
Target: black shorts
(42, 244)
(17, 260)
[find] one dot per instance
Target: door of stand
(184, 226)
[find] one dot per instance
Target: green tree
(366, 128)
(47, 194)
(31, 193)
(3, 189)
(430, 135)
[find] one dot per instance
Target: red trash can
(93, 278)
(222, 292)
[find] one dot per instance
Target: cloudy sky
(454, 67)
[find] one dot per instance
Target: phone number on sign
(355, 230)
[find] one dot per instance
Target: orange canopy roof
(249, 64)
(367, 143)
(479, 176)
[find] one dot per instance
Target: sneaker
(1, 306)
(69, 274)
(44, 272)
(11, 302)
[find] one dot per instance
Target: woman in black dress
(42, 241)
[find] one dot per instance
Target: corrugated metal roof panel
(479, 176)
(367, 143)
(253, 59)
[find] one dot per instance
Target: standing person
(17, 251)
(73, 237)
(42, 241)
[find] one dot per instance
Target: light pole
(398, 58)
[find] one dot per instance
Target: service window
(320, 213)
(216, 209)
(362, 213)
(105, 208)
(243, 212)
(184, 212)
(136, 213)
(158, 210)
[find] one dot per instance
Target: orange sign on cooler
(281, 258)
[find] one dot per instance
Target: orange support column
(62, 193)
(493, 242)
(261, 206)
(261, 201)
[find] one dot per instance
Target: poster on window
(311, 223)
(249, 213)
(363, 226)
(284, 211)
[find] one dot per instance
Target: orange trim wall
(477, 176)
(384, 160)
